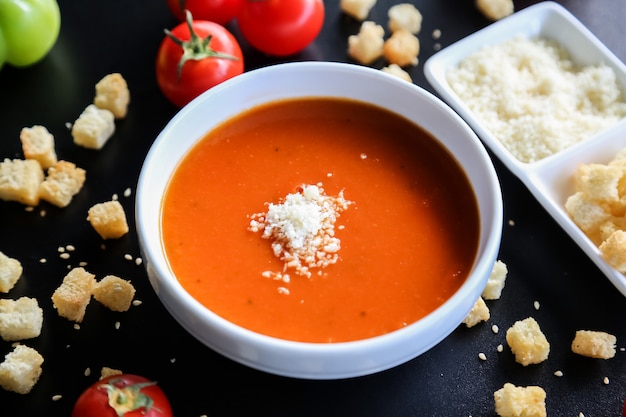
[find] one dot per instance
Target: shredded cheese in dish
(302, 230)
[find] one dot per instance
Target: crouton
(108, 219)
(359, 9)
(64, 181)
(495, 9)
(496, 281)
(367, 46)
(478, 313)
(512, 401)
(112, 94)
(527, 342)
(21, 369)
(598, 182)
(587, 214)
(20, 319)
(594, 344)
(38, 143)
(94, 127)
(106, 372)
(402, 48)
(404, 16)
(114, 293)
(73, 295)
(397, 71)
(613, 250)
(19, 180)
(10, 272)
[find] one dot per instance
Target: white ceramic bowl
(315, 360)
(549, 179)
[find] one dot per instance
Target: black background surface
(99, 37)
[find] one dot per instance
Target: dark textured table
(546, 269)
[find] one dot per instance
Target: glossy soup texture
(408, 241)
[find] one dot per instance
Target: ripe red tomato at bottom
(218, 11)
(197, 75)
(142, 398)
(281, 27)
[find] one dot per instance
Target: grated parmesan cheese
(302, 231)
(533, 98)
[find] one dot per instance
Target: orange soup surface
(408, 238)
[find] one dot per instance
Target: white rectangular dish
(550, 178)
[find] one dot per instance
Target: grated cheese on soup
(532, 97)
(302, 230)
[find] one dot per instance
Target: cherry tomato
(281, 27)
(123, 395)
(218, 11)
(195, 56)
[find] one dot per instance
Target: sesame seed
(511, 222)
(117, 325)
(29, 208)
(173, 360)
(363, 156)
(64, 255)
(581, 414)
(500, 348)
(606, 380)
(128, 257)
(114, 197)
(558, 373)
(127, 192)
(76, 326)
(536, 305)
(137, 302)
(42, 213)
(43, 260)
(437, 46)
(87, 371)
(82, 263)
(138, 261)
(60, 249)
(495, 329)
(56, 397)
(436, 33)
(482, 356)
(70, 248)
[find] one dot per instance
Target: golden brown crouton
(20, 319)
(21, 369)
(397, 71)
(512, 401)
(115, 293)
(404, 16)
(495, 9)
(402, 48)
(64, 181)
(94, 127)
(367, 46)
(38, 143)
(73, 295)
(527, 342)
(108, 219)
(112, 94)
(594, 344)
(478, 313)
(10, 272)
(496, 281)
(19, 180)
(359, 9)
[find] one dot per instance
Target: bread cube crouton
(94, 127)
(10, 272)
(114, 293)
(587, 214)
(598, 182)
(367, 46)
(402, 48)
(496, 281)
(112, 94)
(397, 71)
(527, 342)
(613, 250)
(21, 369)
(404, 16)
(359, 9)
(20, 319)
(19, 180)
(73, 295)
(512, 401)
(478, 313)
(495, 9)
(106, 372)
(38, 143)
(64, 181)
(594, 344)
(108, 219)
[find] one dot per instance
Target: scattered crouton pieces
(10, 272)
(115, 293)
(495, 9)
(64, 181)
(496, 281)
(106, 372)
(108, 219)
(405, 16)
(527, 342)
(38, 144)
(613, 250)
(19, 180)
(112, 94)
(94, 127)
(367, 46)
(396, 70)
(594, 344)
(512, 401)
(478, 313)
(359, 9)
(21, 369)
(73, 295)
(20, 319)
(402, 48)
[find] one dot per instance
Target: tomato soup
(408, 233)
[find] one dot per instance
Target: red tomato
(281, 27)
(127, 395)
(218, 11)
(195, 56)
